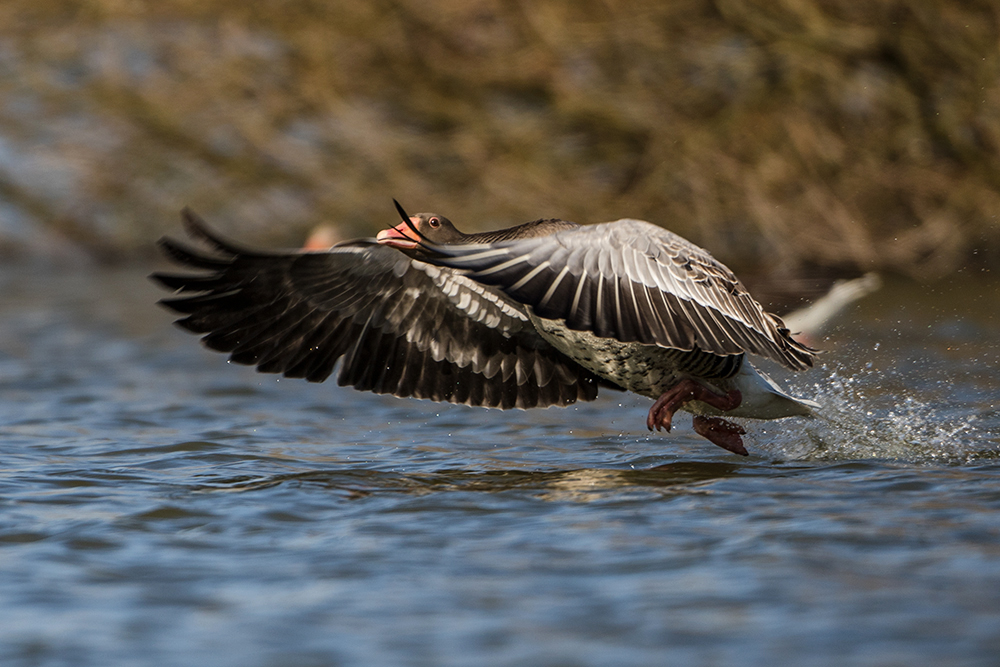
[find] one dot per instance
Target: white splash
(859, 420)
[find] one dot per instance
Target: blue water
(159, 506)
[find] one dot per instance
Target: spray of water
(857, 421)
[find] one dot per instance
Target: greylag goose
(536, 315)
(811, 322)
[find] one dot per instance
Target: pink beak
(400, 236)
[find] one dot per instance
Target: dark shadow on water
(671, 478)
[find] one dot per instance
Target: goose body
(651, 371)
(536, 315)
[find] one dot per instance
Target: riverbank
(815, 136)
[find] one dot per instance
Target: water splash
(862, 419)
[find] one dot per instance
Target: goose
(811, 322)
(537, 315)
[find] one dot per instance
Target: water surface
(160, 506)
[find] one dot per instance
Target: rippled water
(158, 506)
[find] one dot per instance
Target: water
(160, 507)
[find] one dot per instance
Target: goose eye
(434, 223)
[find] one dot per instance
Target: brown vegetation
(781, 135)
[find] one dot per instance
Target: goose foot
(722, 433)
(661, 415)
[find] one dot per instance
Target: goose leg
(662, 413)
(722, 433)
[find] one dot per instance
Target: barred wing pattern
(631, 281)
(399, 326)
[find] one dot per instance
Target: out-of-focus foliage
(780, 134)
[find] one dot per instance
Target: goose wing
(631, 281)
(399, 326)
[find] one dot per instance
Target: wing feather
(692, 301)
(396, 325)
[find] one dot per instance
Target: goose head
(430, 227)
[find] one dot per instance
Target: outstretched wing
(631, 281)
(399, 326)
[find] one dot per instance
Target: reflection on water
(160, 506)
(580, 485)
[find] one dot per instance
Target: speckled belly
(647, 370)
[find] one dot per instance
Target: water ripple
(158, 506)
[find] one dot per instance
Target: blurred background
(158, 507)
(791, 138)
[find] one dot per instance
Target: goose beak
(402, 236)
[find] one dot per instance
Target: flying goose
(535, 315)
